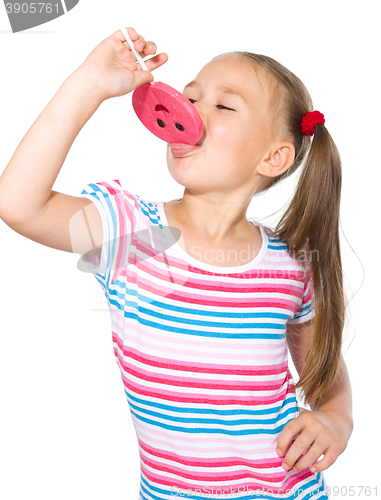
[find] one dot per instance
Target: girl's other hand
(324, 432)
(112, 68)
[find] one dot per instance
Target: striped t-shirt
(203, 355)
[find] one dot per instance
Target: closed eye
(224, 107)
(221, 106)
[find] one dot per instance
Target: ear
(281, 157)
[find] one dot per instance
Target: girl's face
(237, 132)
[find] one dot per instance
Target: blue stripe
(199, 312)
(307, 308)
(201, 333)
(193, 430)
(146, 204)
(276, 409)
(152, 216)
(300, 315)
(212, 421)
(212, 324)
(277, 247)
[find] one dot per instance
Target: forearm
(339, 399)
(27, 181)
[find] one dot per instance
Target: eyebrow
(224, 88)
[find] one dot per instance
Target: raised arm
(27, 202)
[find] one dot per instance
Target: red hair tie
(310, 120)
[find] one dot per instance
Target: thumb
(142, 76)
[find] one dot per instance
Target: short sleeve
(119, 210)
(307, 307)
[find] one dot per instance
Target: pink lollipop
(165, 111)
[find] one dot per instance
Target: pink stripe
(232, 385)
(199, 343)
(212, 476)
(130, 352)
(290, 273)
(122, 207)
(189, 298)
(223, 302)
(150, 259)
(198, 399)
(169, 481)
(176, 263)
(205, 462)
(280, 477)
(288, 289)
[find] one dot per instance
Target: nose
(201, 111)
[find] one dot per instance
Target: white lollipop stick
(137, 55)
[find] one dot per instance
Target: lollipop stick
(137, 55)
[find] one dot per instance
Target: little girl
(201, 326)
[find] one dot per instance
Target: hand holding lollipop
(111, 66)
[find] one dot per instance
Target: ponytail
(311, 222)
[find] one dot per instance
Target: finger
(156, 61)
(308, 458)
(330, 457)
(290, 431)
(131, 33)
(142, 76)
(144, 48)
(141, 46)
(148, 49)
(138, 40)
(296, 451)
(138, 45)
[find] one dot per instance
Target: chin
(180, 179)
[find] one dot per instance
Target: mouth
(181, 150)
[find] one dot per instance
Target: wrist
(345, 417)
(86, 86)
(72, 105)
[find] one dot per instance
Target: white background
(66, 430)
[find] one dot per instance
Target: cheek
(224, 129)
(225, 140)
(232, 133)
